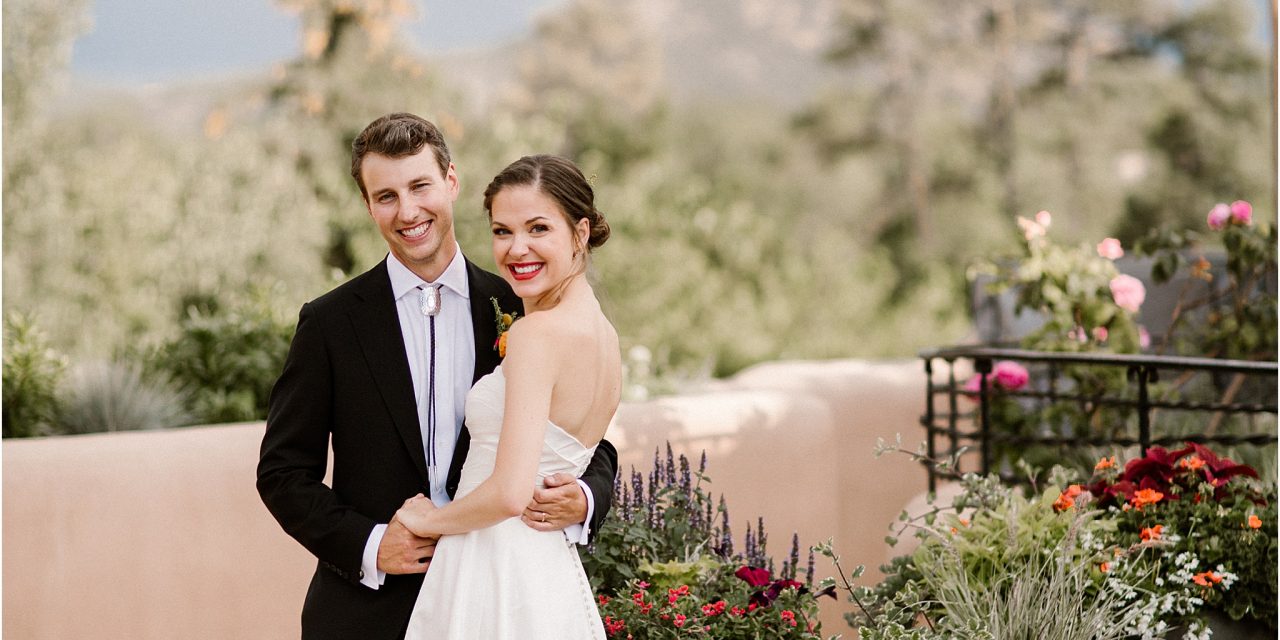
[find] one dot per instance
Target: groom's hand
(402, 552)
(556, 505)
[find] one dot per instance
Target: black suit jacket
(347, 379)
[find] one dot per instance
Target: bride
(542, 411)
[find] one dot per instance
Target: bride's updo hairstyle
(558, 179)
(561, 181)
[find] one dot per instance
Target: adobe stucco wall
(161, 534)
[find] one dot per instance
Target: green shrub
(31, 374)
(226, 359)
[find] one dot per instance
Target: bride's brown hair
(561, 180)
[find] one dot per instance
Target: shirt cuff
(581, 533)
(370, 575)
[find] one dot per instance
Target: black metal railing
(1058, 414)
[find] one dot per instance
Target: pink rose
(1100, 334)
(1241, 212)
(1043, 219)
(1144, 337)
(1128, 292)
(1218, 216)
(1030, 228)
(1010, 375)
(1110, 248)
(1006, 374)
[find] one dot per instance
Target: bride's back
(588, 383)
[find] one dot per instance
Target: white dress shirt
(455, 367)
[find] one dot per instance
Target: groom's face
(412, 204)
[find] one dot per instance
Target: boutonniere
(504, 322)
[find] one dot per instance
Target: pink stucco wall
(161, 534)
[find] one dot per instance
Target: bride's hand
(413, 514)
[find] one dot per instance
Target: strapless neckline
(498, 372)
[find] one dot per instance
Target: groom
(380, 367)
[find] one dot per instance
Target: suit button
(362, 574)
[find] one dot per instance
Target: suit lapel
(483, 322)
(377, 328)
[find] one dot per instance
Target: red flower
(679, 621)
(753, 576)
(1152, 533)
(603, 600)
(738, 611)
(789, 617)
(613, 627)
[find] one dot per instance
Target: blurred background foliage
(798, 181)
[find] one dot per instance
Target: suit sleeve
(599, 477)
(294, 456)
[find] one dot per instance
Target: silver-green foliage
(116, 396)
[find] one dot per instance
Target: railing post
(983, 366)
(928, 422)
(1145, 375)
(953, 415)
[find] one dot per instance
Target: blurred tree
(1204, 138)
(594, 68)
(983, 111)
(37, 48)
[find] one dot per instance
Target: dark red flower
(753, 576)
(1218, 471)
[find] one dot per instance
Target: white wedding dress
(507, 581)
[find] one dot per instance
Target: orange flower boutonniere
(504, 322)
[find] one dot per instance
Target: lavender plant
(665, 565)
(668, 528)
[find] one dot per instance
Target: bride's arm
(530, 373)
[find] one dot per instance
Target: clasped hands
(556, 505)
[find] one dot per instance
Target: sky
(145, 41)
(153, 41)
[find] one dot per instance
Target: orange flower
(1144, 497)
(1152, 533)
(502, 345)
(1206, 579)
(1255, 522)
(1104, 567)
(1192, 463)
(965, 523)
(1067, 498)
(1105, 463)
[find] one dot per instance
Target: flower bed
(665, 565)
(1134, 551)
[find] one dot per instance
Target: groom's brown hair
(397, 135)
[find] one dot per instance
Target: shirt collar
(454, 277)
